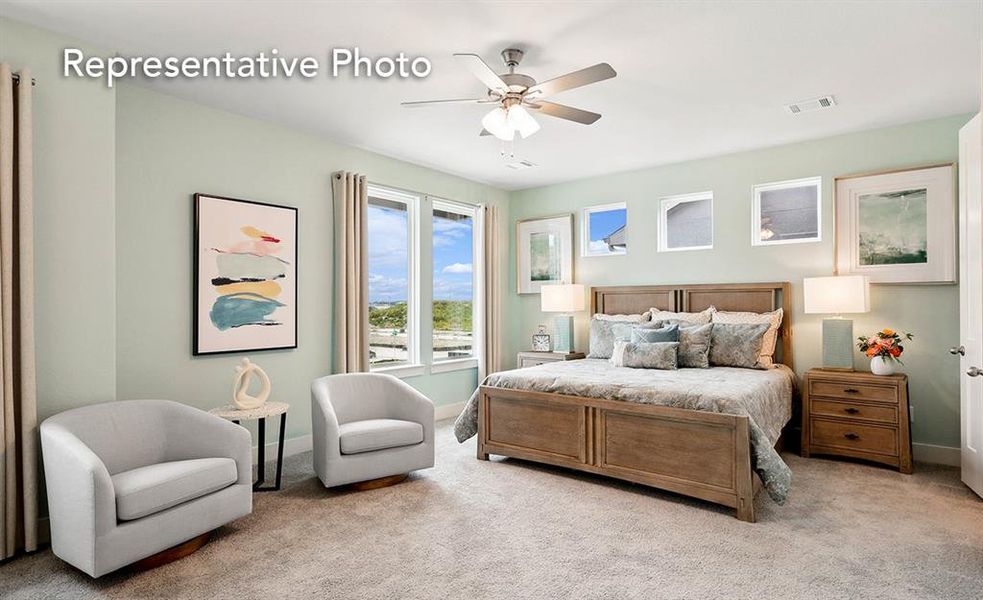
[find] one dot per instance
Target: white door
(971, 302)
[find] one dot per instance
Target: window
(603, 230)
(686, 222)
(392, 285)
(787, 212)
(454, 273)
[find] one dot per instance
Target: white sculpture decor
(240, 389)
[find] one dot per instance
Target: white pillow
(645, 317)
(698, 318)
(770, 340)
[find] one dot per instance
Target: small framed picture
(898, 226)
(541, 340)
(544, 252)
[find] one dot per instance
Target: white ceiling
(694, 79)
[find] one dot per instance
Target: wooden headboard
(736, 297)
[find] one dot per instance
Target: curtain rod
(34, 82)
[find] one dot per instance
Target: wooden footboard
(699, 454)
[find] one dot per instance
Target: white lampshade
(836, 295)
(520, 120)
(563, 298)
(496, 123)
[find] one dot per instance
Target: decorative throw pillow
(659, 355)
(773, 319)
(736, 344)
(694, 346)
(650, 335)
(698, 318)
(603, 334)
(639, 318)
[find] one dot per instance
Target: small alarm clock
(541, 340)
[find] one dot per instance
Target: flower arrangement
(886, 343)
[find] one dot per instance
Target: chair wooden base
(374, 484)
(171, 554)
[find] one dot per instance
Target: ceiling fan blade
(482, 71)
(562, 111)
(454, 101)
(598, 72)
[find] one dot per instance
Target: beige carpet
(509, 529)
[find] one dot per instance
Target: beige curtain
(351, 322)
(491, 331)
(19, 418)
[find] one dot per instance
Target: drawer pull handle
(851, 436)
(852, 411)
(851, 391)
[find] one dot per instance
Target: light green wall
(931, 312)
(75, 245)
(168, 149)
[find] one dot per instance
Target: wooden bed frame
(695, 453)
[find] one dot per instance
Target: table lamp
(836, 296)
(564, 299)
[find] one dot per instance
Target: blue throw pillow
(669, 333)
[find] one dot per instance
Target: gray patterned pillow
(651, 335)
(736, 345)
(694, 346)
(658, 355)
(603, 334)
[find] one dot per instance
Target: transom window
(686, 222)
(787, 212)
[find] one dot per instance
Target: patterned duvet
(765, 396)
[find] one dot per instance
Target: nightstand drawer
(532, 362)
(868, 412)
(853, 436)
(854, 391)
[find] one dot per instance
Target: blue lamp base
(838, 344)
(563, 334)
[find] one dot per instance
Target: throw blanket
(764, 396)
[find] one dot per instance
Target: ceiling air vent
(811, 105)
(520, 165)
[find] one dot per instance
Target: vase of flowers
(884, 349)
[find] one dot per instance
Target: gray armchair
(126, 480)
(368, 426)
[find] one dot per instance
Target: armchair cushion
(378, 434)
(147, 490)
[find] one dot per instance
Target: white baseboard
(940, 455)
(292, 446)
(448, 411)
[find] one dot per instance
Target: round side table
(269, 409)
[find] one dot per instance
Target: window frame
(412, 201)
(756, 191)
(585, 214)
(477, 245)
(669, 202)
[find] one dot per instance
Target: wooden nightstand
(531, 359)
(857, 414)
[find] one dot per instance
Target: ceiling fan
(513, 93)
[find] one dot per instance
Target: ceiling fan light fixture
(496, 123)
(520, 120)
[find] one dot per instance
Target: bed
(695, 432)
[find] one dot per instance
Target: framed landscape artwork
(245, 276)
(898, 226)
(544, 252)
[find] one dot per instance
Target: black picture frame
(196, 275)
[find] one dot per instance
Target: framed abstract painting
(544, 252)
(898, 226)
(245, 276)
